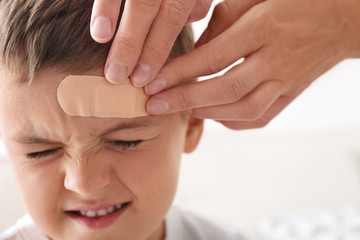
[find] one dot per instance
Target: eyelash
(124, 144)
(42, 154)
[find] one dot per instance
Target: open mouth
(99, 213)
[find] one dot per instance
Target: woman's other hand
(286, 46)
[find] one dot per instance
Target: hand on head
(145, 36)
(286, 46)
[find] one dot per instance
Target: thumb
(224, 15)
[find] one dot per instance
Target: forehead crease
(36, 125)
(91, 127)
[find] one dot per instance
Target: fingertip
(155, 87)
(141, 75)
(116, 72)
(101, 29)
(157, 106)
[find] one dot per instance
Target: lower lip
(98, 223)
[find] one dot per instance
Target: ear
(193, 134)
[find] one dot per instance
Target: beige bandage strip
(93, 96)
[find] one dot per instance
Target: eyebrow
(133, 125)
(33, 139)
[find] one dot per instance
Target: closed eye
(42, 154)
(126, 144)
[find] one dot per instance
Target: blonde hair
(36, 34)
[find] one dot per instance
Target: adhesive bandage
(93, 96)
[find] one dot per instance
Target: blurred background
(298, 178)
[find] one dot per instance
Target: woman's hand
(146, 34)
(286, 46)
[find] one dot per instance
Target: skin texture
(88, 168)
(286, 46)
(142, 50)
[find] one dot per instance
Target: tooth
(90, 214)
(83, 213)
(101, 212)
(118, 206)
(110, 209)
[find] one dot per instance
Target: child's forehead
(42, 91)
(35, 109)
(45, 83)
(23, 98)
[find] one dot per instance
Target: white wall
(308, 157)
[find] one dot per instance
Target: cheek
(152, 174)
(41, 187)
(149, 173)
(151, 177)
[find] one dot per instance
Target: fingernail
(116, 72)
(203, 39)
(155, 86)
(157, 106)
(141, 75)
(101, 28)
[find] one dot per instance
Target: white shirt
(179, 226)
(182, 225)
(24, 229)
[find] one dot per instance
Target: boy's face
(67, 166)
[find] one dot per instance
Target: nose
(88, 179)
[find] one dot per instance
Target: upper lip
(96, 207)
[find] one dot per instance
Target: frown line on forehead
(31, 135)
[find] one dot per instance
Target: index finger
(127, 46)
(221, 90)
(166, 27)
(238, 41)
